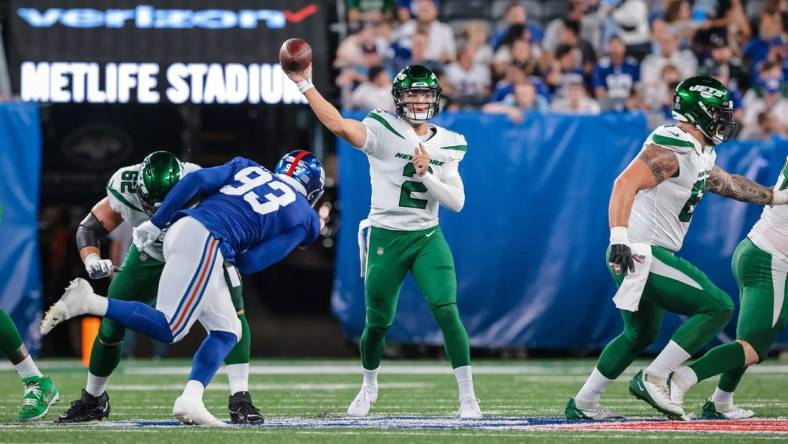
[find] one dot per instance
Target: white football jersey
(123, 199)
(661, 215)
(770, 233)
(400, 201)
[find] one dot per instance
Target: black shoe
(242, 411)
(87, 408)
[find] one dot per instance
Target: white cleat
(725, 410)
(193, 412)
(76, 300)
(363, 402)
(592, 411)
(469, 409)
(654, 390)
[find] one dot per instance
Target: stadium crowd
(571, 56)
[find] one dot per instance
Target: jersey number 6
(253, 177)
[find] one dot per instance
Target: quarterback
(651, 206)
(249, 217)
(133, 194)
(414, 168)
(760, 266)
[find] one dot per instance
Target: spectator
(357, 53)
(374, 93)
(722, 63)
(441, 45)
(587, 26)
(769, 94)
(504, 87)
(476, 33)
(368, 10)
(471, 81)
(516, 26)
(767, 125)
(631, 18)
(669, 53)
(417, 55)
(679, 21)
(658, 95)
(522, 99)
(615, 75)
(770, 33)
(565, 70)
(713, 19)
(569, 34)
(576, 101)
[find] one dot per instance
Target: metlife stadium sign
(161, 51)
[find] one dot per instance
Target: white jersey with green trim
(400, 201)
(770, 233)
(123, 199)
(661, 215)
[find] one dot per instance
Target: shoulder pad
(672, 138)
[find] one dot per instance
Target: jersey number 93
(253, 177)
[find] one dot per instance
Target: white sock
(669, 359)
(238, 377)
(722, 396)
(685, 377)
(27, 368)
(371, 377)
(194, 389)
(592, 390)
(464, 381)
(96, 384)
(98, 305)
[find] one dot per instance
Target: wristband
(304, 86)
(618, 235)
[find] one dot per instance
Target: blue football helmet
(306, 172)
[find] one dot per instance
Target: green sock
(104, 358)
(455, 338)
(720, 359)
(10, 340)
(241, 353)
(730, 379)
(371, 346)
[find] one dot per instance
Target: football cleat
(87, 408)
(363, 402)
(40, 394)
(469, 409)
(191, 411)
(242, 411)
(74, 302)
(592, 412)
(654, 390)
(724, 410)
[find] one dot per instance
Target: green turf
(521, 389)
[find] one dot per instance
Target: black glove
(621, 254)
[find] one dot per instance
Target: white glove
(780, 190)
(145, 234)
(97, 267)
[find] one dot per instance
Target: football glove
(620, 252)
(97, 267)
(145, 234)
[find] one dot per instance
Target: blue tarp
(20, 166)
(529, 244)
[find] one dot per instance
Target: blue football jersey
(618, 80)
(258, 217)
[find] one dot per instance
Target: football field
(305, 400)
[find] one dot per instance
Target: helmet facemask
(418, 104)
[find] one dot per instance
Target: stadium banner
(160, 51)
(20, 165)
(529, 245)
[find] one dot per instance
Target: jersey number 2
(251, 178)
(410, 186)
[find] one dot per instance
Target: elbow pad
(89, 232)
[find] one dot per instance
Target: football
(295, 55)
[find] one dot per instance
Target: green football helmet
(158, 173)
(416, 78)
(705, 103)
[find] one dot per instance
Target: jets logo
(707, 91)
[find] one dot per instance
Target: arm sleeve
(271, 251)
(450, 191)
(204, 181)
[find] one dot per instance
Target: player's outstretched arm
(742, 189)
(353, 131)
(649, 169)
(101, 220)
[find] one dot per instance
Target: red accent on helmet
(296, 161)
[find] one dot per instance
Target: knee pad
(111, 332)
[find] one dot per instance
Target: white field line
(417, 369)
(225, 387)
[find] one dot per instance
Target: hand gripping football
(295, 55)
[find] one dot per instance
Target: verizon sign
(201, 51)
